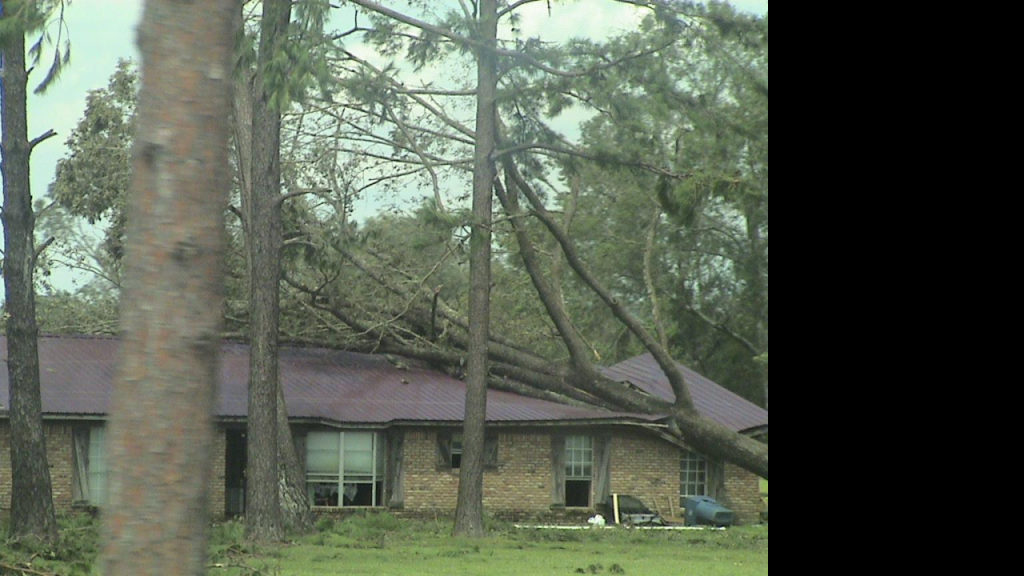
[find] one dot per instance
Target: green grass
(764, 491)
(404, 548)
(381, 545)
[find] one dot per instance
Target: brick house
(381, 432)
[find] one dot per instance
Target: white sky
(102, 31)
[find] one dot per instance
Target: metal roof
(77, 376)
(711, 400)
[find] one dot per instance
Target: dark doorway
(234, 473)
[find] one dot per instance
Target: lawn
(381, 545)
(764, 490)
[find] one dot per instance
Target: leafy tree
(540, 79)
(651, 249)
(92, 181)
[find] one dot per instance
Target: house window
(693, 475)
(456, 451)
(91, 470)
(451, 448)
(345, 469)
(579, 471)
(98, 470)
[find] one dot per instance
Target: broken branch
(40, 139)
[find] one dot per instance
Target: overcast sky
(103, 31)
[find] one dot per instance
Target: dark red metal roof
(77, 374)
(712, 400)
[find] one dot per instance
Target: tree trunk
(469, 516)
(756, 290)
(264, 243)
(32, 511)
(172, 316)
(296, 514)
(764, 384)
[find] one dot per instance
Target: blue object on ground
(701, 510)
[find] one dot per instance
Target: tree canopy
(634, 169)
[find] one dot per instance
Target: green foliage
(380, 543)
(73, 554)
(45, 18)
(300, 66)
(92, 181)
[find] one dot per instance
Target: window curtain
(716, 480)
(444, 451)
(491, 453)
(558, 471)
(395, 483)
(80, 485)
(602, 469)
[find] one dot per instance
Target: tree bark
(652, 289)
(756, 290)
(162, 426)
(296, 515)
(704, 435)
(683, 400)
(264, 245)
(469, 515)
(32, 512)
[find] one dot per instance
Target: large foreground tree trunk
(162, 425)
(469, 516)
(32, 511)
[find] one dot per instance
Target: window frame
(576, 468)
(377, 477)
(90, 474)
(457, 439)
(447, 453)
(98, 443)
(694, 472)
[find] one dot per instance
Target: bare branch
(577, 349)
(521, 56)
(40, 139)
(652, 291)
(42, 248)
(419, 152)
(724, 329)
(280, 200)
(512, 7)
(675, 376)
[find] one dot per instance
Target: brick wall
(58, 456)
(59, 448)
(742, 494)
(217, 482)
(641, 465)
(520, 487)
(647, 468)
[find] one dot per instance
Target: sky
(103, 31)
